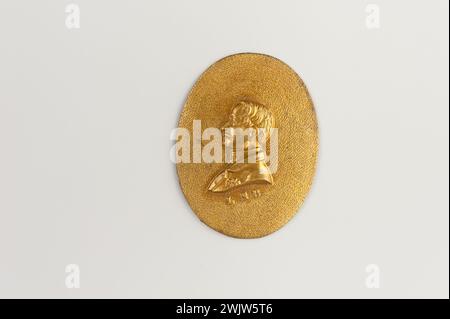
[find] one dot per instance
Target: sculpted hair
(249, 114)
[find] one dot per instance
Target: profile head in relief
(246, 133)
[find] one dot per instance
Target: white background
(85, 175)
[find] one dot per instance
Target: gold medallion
(247, 145)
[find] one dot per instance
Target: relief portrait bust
(249, 166)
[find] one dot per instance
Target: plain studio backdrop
(85, 174)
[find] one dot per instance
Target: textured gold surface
(254, 210)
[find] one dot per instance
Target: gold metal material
(248, 200)
(246, 115)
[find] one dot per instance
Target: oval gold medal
(247, 148)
